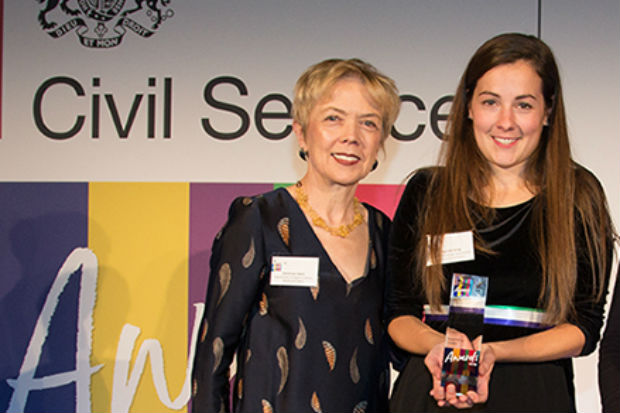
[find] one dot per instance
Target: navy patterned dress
(298, 349)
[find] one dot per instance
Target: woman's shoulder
(588, 188)
(377, 217)
(262, 206)
(585, 176)
(420, 179)
(275, 197)
(254, 213)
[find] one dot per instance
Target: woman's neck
(508, 189)
(333, 202)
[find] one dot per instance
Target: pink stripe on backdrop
(383, 197)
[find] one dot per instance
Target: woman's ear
(299, 133)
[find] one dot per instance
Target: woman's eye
(332, 118)
(370, 124)
(489, 102)
(524, 105)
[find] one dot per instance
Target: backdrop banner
(127, 127)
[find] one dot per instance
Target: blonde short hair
(318, 79)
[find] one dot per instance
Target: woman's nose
(506, 118)
(350, 133)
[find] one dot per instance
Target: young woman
(541, 234)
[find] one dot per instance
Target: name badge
(457, 247)
(295, 271)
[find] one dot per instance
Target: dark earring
(303, 154)
(374, 165)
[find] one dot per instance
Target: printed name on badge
(295, 271)
(457, 247)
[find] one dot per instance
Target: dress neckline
(507, 208)
(324, 252)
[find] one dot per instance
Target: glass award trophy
(468, 296)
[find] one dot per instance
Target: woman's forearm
(412, 335)
(562, 341)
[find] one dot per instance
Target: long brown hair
(567, 194)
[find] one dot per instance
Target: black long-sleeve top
(514, 273)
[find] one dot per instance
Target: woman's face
(508, 113)
(343, 134)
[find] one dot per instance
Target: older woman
(541, 234)
(297, 275)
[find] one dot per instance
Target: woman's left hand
(487, 362)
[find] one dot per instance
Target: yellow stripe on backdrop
(140, 234)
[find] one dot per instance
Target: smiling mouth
(346, 158)
(505, 141)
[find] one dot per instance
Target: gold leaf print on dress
(240, 389)
(247, 201)
(300, 340)
(263, 306)
(283, 230)
(330, 354)
(224, 275)
(218, 352)
(360, 407)
(354, 370)
(248, 355)
(373, 259)
(368, 332)
(283, 364)
(205, 327)
(248, 258)
(314, 403)
(194, 388)
(266, 406)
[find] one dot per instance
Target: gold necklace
(342, 231)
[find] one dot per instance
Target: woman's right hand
(447, 396)
(434, 362)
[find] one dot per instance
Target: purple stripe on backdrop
(40, 224)
(208, 212)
